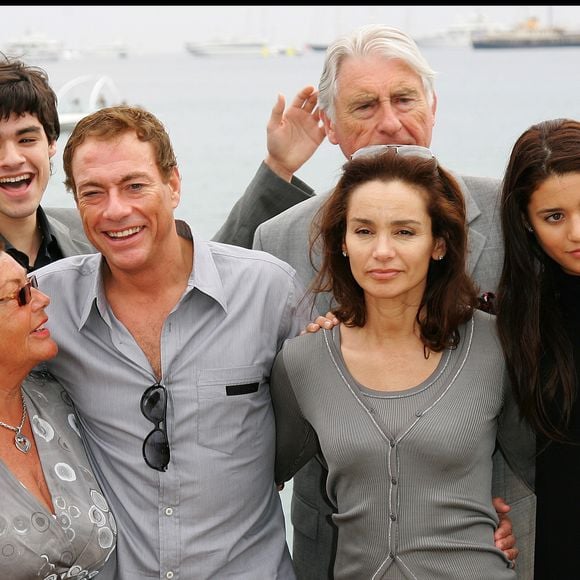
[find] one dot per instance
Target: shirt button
(169, 512)
(169, 575)
(394, 481)
(393, 517)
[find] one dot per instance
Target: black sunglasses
(23, 295)
(156, 445)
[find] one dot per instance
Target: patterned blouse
(80, 536)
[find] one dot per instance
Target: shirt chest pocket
(235, 409)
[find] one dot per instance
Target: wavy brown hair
(450, 295)
(538, 353)
(111, 122)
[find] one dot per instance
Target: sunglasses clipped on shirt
(23, 295)
(156, 444)
(403, 150)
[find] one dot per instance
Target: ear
(434, 105)
(527, 224)
(329, 128)
(439, 249)
(175, 186)
(51, 149)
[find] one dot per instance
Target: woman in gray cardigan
(401, 400)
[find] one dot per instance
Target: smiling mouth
(121, 234)
(40, 328)
(16, 182)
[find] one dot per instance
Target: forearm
(296, 441)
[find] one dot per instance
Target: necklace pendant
(22, 443)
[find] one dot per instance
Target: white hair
(378, 39)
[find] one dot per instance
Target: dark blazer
(286, 236)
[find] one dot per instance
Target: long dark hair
(450, 295)
(538, 353)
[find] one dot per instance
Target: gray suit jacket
(286, 236)
(68, 230)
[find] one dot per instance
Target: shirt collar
(205, 277)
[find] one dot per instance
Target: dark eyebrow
(134, 175)
(125, 179)
(406, 222)
(30, 129)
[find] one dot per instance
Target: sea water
(216, 110)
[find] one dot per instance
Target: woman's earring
(527, 224)
(344, 253)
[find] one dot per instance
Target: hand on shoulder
(328, 321)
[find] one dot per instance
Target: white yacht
(34, 47)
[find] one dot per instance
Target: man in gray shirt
(166, 345)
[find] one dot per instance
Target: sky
(167, 28)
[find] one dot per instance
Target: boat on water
(460, 33)
(113, 49)
(228, 48)
(528, 34)
(83, 95)
(318, 46)
(34, 47)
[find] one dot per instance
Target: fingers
(323, 322)
(277, 110)
(505, 533)
(330, 316)
(500, 506)
(504, 529)
(504, 541)
(311, 102)
(306, 99)
(504, 537)
(512, 555)
(311, 327)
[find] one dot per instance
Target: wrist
(279, 169)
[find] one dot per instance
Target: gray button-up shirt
(215, 513)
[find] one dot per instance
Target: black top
(48, 252)
(557, 555)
